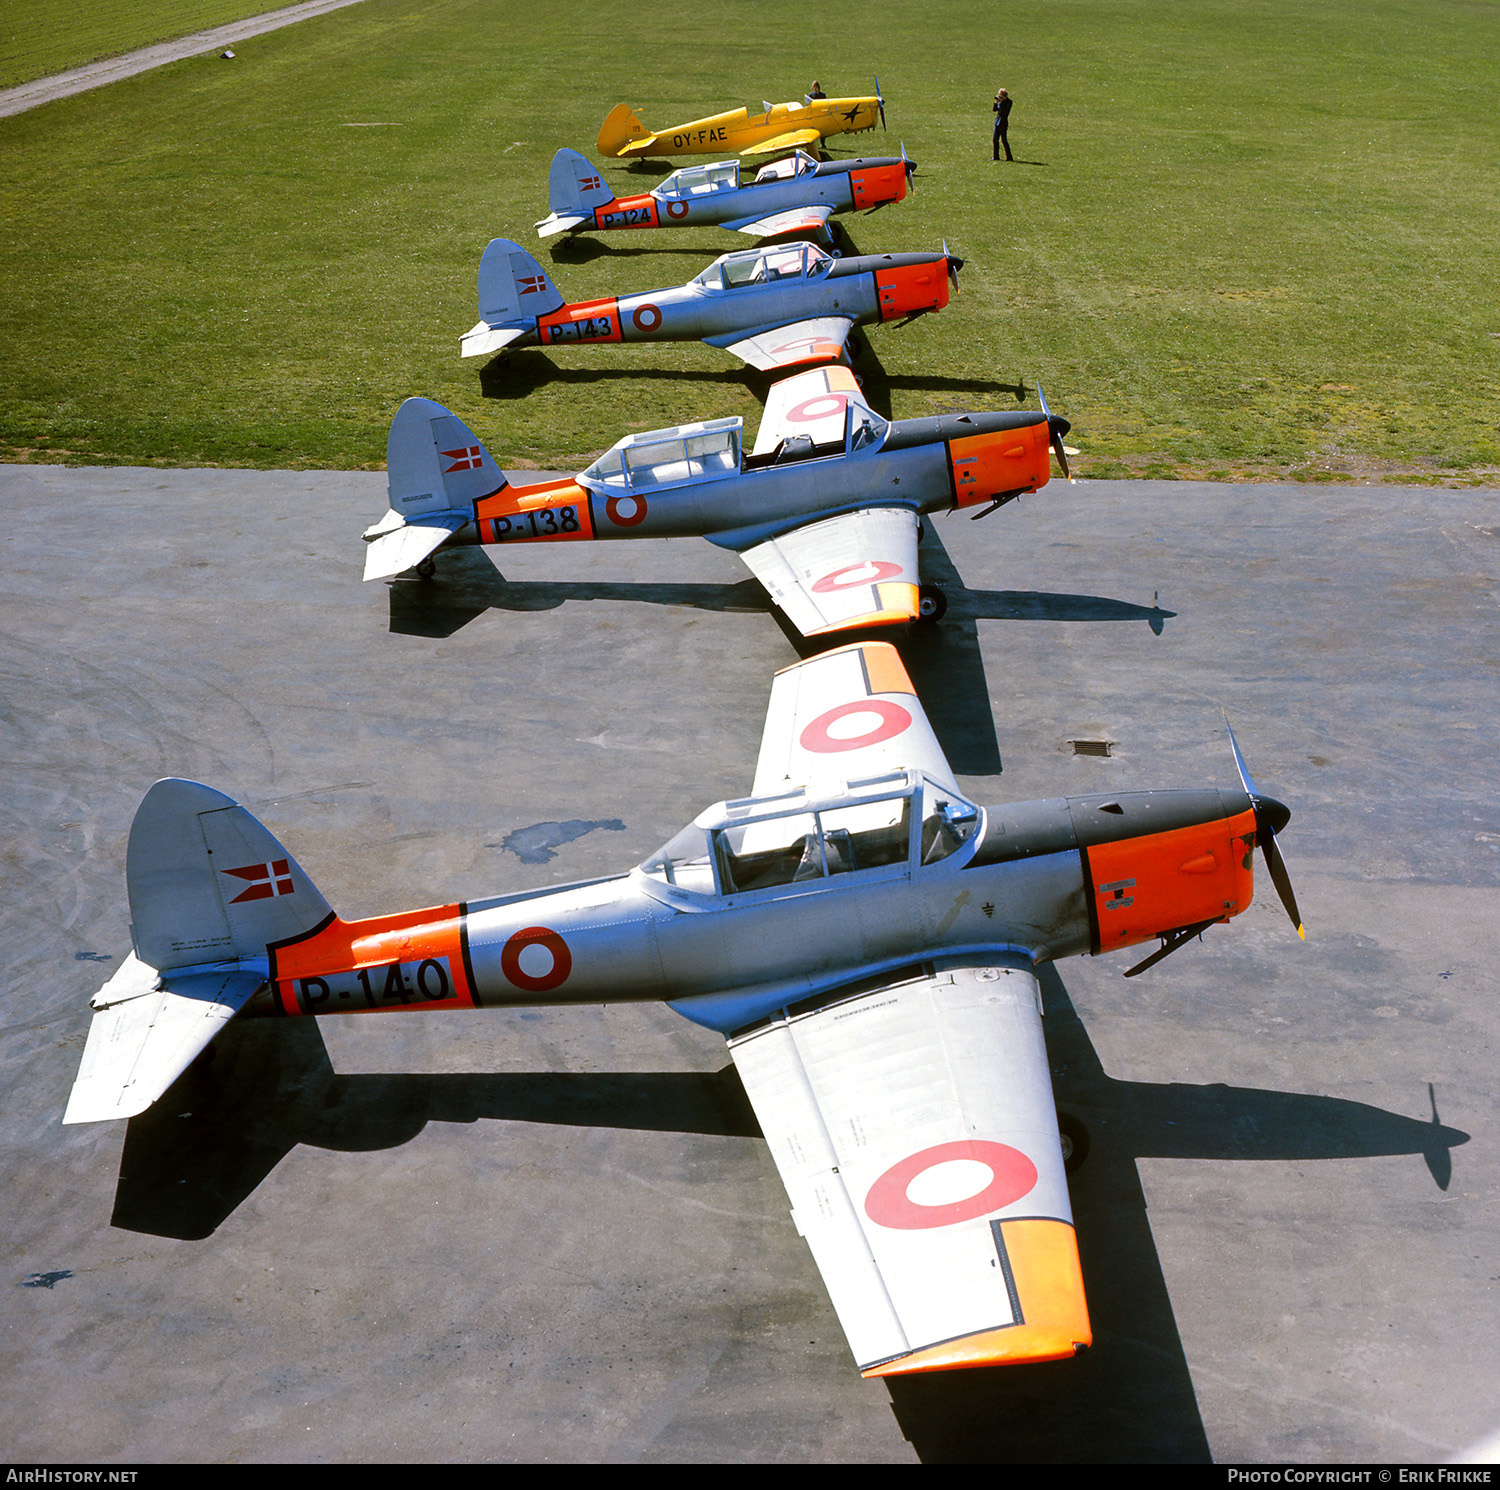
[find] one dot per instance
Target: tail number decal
(393, 985)
(591, 328)
(628, 212)
(540, 522)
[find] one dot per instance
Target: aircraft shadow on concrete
(222, 1128)
(944, 661)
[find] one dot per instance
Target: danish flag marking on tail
(532, 285)
(590, 183)
(470, 458)
(266, 880)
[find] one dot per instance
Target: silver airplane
(864, 936)
(795, 195)
(826, 509)
(772, 307)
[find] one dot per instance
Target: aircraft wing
(856, 569)
(794, 220)
(788, 141)
(914, 1129)
(820, 339)
(809, 403)
(145, 1032)
(848, 713)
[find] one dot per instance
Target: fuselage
(709, 195)
(730, 922)
(698, 482)
(737, 129)
(757, 290)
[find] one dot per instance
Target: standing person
(1002, 117)
(817, 91)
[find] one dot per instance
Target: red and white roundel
(646, 317)
(536, 959)
(867, 721)
(677, 209)
(625, 512)
(810, 410)
(852, 576)
(950, 1184)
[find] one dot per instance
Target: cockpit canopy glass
(698, 181)
(670, 457)
(799, 163)
(800, 839)
(760, 266)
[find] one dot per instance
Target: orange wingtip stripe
(1049, 1284)
(898, 602)
(842, 380)
(883, 666)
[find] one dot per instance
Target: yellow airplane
(781, 126)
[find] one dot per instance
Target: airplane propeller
(954, 265)
(911, 168)
(1057, 427)
(1271, 817)
(879, 103)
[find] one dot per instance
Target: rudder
(622, 127)
(575, 186)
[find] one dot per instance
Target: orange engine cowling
(905, 289)
(878, 184)
(990, 465)
(1144, 887)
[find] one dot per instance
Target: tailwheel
(932, 604)
(427, 568)
(1075, 1140)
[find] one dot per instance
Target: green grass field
(41, 37)
(1238, 240)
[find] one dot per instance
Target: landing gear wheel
(427, 568)
(1075, 1141)
(932, 604)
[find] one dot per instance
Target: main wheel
(1075, 1140)
(932, 604)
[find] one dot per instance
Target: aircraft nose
(1276, 814)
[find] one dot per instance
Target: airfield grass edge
(1235, 245)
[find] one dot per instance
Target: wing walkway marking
(96, 74)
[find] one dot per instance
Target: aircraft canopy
(698, 181)
(804, 836)
(661, 458)
(759, 266)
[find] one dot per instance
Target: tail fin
(210, 891)
(622, 127)
(208, 883)
(436, 469)
(575, 186)
(513, 287)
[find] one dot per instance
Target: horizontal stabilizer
(788, 141)
(146, 1031)
(795, 220)
(550, 227)
(484, 339)
(396, 552)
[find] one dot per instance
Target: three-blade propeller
(1271, 817)
(1057, 427)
